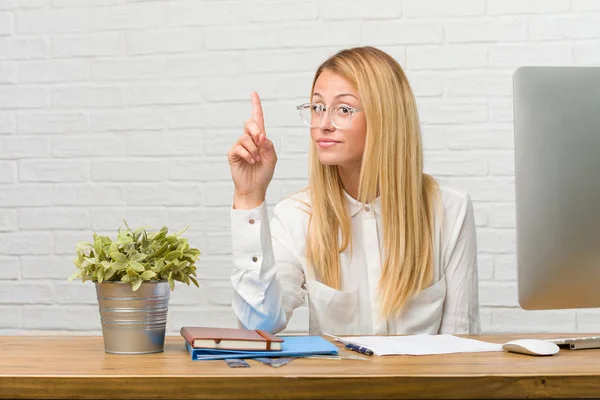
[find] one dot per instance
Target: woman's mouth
(327, 143)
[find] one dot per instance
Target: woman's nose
(325, 122)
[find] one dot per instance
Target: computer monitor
(557, 173)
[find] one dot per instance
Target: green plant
(137, 256)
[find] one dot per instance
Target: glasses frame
(353, 110)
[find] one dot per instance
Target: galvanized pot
(133, 322)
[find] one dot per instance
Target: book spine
(186, 335)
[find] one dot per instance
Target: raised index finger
(257, 112)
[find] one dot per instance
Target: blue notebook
(292, 346)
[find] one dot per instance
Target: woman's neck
(349, 176)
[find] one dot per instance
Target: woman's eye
(344, 110)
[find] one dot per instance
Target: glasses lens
(311, 115)
(341, 117)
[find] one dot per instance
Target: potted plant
(134, 275)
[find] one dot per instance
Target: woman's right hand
(252, 160)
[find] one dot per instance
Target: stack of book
(205, 343)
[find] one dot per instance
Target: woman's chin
(329, 159)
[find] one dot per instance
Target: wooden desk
(77, 367)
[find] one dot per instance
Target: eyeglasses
(340, 115)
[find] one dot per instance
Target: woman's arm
(267, 278)
(461, 305)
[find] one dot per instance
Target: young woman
(377, 245)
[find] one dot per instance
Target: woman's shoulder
(453, 198)
(290, 219)
(294, 206)
(456, 204)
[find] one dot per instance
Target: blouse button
(254, 259)
(368, 209)
(251, 221)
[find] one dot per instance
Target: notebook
(230, 339)
(292, 346)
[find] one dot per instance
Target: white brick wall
(120, 108)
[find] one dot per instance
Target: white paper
(419, 345)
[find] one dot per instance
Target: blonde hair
(392, 167)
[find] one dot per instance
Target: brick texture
(113, 109)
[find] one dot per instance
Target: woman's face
(336, 146)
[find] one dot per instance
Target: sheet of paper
(421, 344)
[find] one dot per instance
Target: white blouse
(270, 276)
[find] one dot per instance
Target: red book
(230, 339)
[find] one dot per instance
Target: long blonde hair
(392, 167)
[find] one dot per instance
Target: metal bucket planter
(133, 322)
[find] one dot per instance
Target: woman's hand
(252, 160)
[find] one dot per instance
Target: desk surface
(77, 367)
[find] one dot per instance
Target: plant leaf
(136, 284)
(194, 281)
(114, 248)
(179, 266)
(100, 274)
(84, 246)
(126, 225)
(171, 239)
(162, 250)
(124, 238)
(147, 275)
(160, 234)
(75, 275)
(136, 266)
(159, 265)
(118, 257)
(139, 257)
(119, 266)
(181, 232)
(174, 255)
(132, 273)
(169, 266)
(191, 253)
(109, 273)
(98, 246)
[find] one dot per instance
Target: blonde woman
(375, 245)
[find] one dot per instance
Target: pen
(350, 346)
(359, 349)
